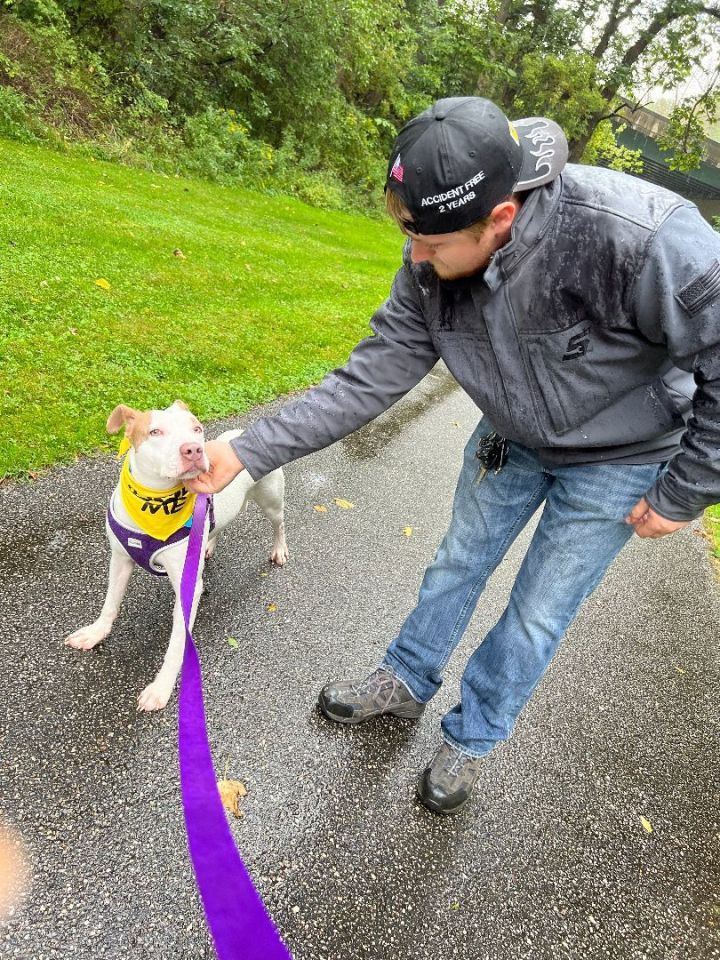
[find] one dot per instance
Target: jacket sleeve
(677, 302)
(380, 370)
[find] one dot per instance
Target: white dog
(149, 515)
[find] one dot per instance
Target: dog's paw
(210, 550)
(154, 697)
(87, 637)
(280, 555)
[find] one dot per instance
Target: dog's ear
(120, 415)
(179, 403)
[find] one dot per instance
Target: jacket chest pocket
(470, 359)
(569, 380)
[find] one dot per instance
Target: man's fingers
(224, 467)
(200, 485)
(639, 513)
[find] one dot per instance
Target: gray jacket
(593, 336)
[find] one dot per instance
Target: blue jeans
(579, 534)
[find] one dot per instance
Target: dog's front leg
(269, 494)
(121, 566)
(156, 695)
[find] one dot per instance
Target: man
(580, 309)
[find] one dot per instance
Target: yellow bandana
(158, 512)
(124, 447)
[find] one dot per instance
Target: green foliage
(220, 148)
(562, 87)
(307, 96)
(14, 115)
(604, 148)
(685, 134)
(46, 13)
(716, 223)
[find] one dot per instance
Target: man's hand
(647, 523)
(224, 467)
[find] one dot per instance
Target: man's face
(454, 255)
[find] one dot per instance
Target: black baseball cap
(458, 159)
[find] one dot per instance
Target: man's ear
(501, 220)
(503, 214)
(121, 415)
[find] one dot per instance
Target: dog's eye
(157, 432)
(198, 429)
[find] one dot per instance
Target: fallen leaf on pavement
(407, 531)
(344, 504)
(320, 508)
(230, 793)
(647, 826)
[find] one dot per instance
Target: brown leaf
(230, 793)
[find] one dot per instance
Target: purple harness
(144, 549)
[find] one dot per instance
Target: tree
(574, 59)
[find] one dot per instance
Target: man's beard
(447, 276)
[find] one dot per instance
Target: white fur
(156, 463)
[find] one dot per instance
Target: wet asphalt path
(551, 859)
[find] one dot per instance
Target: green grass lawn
(712, 526)
(267, 296)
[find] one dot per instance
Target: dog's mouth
(188, 474)
(186, 471)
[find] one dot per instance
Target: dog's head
(169, 443)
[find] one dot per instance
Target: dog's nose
(191, 451)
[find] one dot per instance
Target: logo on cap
(397, 170)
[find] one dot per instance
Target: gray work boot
(447, 781)
(352, 701)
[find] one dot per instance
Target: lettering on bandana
(158, 512)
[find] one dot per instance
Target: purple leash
(236, 915)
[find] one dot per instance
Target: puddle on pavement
(368, 442)
(23, 553)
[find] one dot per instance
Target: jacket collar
(528, 229)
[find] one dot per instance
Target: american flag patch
(701, 291)
(397, 171)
